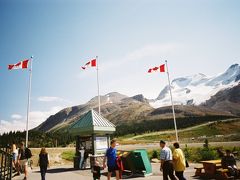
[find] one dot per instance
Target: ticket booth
(92, 133)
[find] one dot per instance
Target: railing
(5, 164)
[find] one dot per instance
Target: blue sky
(195, 36)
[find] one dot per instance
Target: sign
(101, 143)
(85, 142)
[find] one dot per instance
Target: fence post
(2, 155)
(5, 165)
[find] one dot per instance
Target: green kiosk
(92, 133)
(92, 138)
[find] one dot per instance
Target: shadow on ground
(59, 170)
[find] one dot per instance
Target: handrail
(5, 164)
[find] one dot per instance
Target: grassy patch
(68, 155)
(228, 129)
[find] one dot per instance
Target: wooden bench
(198, 170)
(223, 174)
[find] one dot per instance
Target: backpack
(28, 153)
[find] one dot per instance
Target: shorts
(15, 157)
(112, 169)
(23, 162)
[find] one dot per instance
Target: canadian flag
(21, 65)
(161, 68)
(92, 63)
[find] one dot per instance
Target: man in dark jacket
(22, 160)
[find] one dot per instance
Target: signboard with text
(101, 143)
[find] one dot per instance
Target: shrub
(208, 154)
(200, 154)
(68, 155)
(206, 144)
(155, 154)
(152, 154)
(186, 151)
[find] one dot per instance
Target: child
(96, 171)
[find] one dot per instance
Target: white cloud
(128, 73)
(152, 50)
(55, 99)
(145, 53)
(135, 65)
(50, 99)
(16, 116)
(17, 122)
(36, 118)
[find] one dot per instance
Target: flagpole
(0, 126)
(173, 111)
(29, 99)
(99, 103)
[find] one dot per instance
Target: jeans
(81, 163)
(43, 170)
(168, 171)
(179, 175)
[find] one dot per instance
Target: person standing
(229, 162)
(22, 160)
(81, 162)
(111, 156)
(15, 156)
(43, 162)
(166, 162)
(86, 155)
(179, 161)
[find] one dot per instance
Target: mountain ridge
(121, 109)
(198, 88)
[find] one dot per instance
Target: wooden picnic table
(213, 169)
(211, 166)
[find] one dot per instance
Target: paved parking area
(67, 173)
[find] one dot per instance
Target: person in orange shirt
(179, 162)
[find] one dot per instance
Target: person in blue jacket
(111, 156)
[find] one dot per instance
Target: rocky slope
(113, 105)
(121, 109)
(227, 100)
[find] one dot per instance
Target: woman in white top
(15, 155)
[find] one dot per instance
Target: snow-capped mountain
(198, 88)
